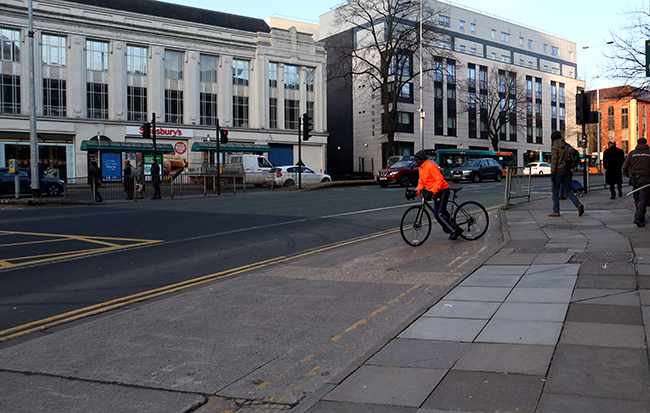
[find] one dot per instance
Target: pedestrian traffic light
(146, 130)
(580, 115)
(307, 127)
(224, 136)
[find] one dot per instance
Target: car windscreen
(402, 164)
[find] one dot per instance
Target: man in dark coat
(613, 159)
(155, 179)
(95, 180)
(637, 168)
(128, 179)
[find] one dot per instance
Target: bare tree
(383, 47)
(500, 99)
(626, 57)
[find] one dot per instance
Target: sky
(584, 23)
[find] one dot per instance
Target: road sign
(12, 166)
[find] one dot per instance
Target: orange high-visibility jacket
(431, 178)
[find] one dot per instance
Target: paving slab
(512, 259)
(520, 332)
(463, 309)
(444, 329)
(599, 268)
(547, 281)
(532, 312)
(419, 353)
(475, 280)
(497, 294)
(604, 335)
(502, 270)
(394, 386)
(616, 282)
(40, 393)
(337, 407)
(540, 295)
(609, 314)
(543, 259)
(507, 358)
(484, 392)
(563, 403)
(550, 269)
(619, 373)
(604, 296)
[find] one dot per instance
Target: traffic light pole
(218, 160)
(299, 152)
(585, 163)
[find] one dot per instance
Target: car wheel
(289, 183)
(325, 180)
(476, 178)
(53, 190)
(405, 181)
(383, 185)
(498, 177)
(541, 173)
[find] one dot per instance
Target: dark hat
(556, 135)
(642, 141)
(421, 155)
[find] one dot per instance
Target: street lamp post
(421, 108)
(598, 100)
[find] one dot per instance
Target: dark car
(48, 186)
(476, 170)
(404, 173)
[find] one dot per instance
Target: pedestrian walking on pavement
(613, 159)
(432, 183)
(561, 176)
(128, 179)
(155, 179)
(139, 179)
(95, 180)
(637, 168)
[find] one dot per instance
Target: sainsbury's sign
(162, 132)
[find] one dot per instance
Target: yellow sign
(12, 166)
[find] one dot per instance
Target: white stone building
(103, 68)
(475, 43)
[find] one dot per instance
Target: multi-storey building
(474, 43)
(624, 117)
(103, 68)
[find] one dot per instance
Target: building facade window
(530, 44)
(445, 20)
(208, 103)
(555, 51)
(9, 94)
(54, 97)
(472, 28)
(404, 122)
(54, 48)
(462, 26)
(173, 65)
(136, 103)
(273, 113)
(545, 48)
(96, 100)
(240, 72)
(97, 56)
(174, 106)
(521, 41)
(136, 60)
(10, 44)
(273, 75)
(209, 66)
(505, 37)
(291, 114)
(493, 33)
(451, 98)
(292, 77)
(624, 117)
(240, 111)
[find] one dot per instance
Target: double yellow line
(34, 326)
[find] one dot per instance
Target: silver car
(288, 176)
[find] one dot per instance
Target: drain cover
(603, 257)
(554, 226)
(539, 250)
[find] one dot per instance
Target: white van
(254, 167)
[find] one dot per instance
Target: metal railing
(520, 186)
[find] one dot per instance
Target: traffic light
(307, 127)
(224, 136)
(580, 114)
(146, 130)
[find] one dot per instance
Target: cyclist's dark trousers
(440, 199)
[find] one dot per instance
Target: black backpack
(571, 157)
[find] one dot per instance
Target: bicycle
(471, 216)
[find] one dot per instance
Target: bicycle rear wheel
(416, 226)
(473, 219)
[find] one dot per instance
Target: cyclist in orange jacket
(431, 183)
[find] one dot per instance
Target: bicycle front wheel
(416, 226)
(473, 219)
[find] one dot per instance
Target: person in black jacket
(637, 168)
(155, 179)
(613, 159)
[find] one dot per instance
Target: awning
(125, 147)
(230, 147)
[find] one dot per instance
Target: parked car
(48, 186)
(404, 173)
(476, 170)
(288, 176)
(538, 168)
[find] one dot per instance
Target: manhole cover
(603, 257)
(554, 226)
(539, 250)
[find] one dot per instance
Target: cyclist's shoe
(454, 235)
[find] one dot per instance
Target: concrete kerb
(313, 398)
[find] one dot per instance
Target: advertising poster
(147, 162)
(111, 166)
(173, 163)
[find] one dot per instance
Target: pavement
(554, 319)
